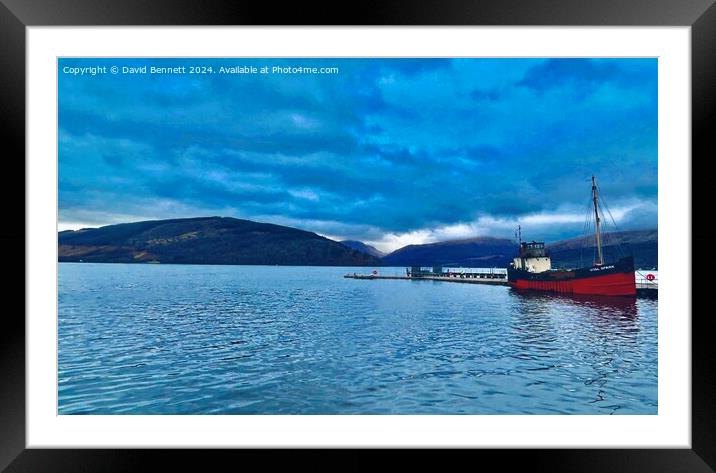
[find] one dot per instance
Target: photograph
(357, 236)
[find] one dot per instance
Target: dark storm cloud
(385, 146)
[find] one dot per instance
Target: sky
(386, 151)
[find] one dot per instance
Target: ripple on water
(173, 339)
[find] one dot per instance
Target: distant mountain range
(207, 240)
(224, 240)
(476, 252)
(495, 252)
(362, 247)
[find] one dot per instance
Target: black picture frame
(16, 15)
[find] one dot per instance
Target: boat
(532, 269)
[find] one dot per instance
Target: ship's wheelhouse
(533, 257)
(532, 249)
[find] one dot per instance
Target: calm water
(171, 339)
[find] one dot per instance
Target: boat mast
(597, 229)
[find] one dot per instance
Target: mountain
(363, 248)
(642, 244)
(476, 252)
(495, 252)
(206, 240)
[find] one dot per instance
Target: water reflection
(621, 307)
(603, 337)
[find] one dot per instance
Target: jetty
(494, 276)
(647, 282)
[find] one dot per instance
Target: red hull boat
(610, 280)
(532, 270)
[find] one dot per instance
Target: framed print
(428, 227)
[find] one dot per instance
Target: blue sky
(387, 151)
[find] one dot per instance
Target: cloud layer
(387, 151)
